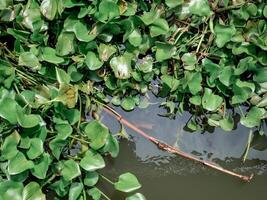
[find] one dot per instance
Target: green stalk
(106, 179)
(103, 194)
(229, 8)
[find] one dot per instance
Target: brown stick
(172, 149)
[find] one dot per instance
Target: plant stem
(79, 139)
(250, 136)
(80, 109)
(105, 178)
(103, 194)
(202, 38)
(49, 180)
(241, 111)
(229, 8)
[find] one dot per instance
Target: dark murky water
(168, 177)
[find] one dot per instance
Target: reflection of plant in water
(207, 57)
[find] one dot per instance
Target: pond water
(169, 177)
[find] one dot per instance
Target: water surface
(170, 177)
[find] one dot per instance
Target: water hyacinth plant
(58, 56)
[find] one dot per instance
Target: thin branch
(172, 149)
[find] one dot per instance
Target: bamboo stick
(171, 149)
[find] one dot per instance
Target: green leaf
(19, 164)
(41, 166)
(226, 75)
(150, 17)
(265, 11)
(92, 161)
(56, 145)
(173, 3)
(242, 91)
(107, 11)
(27, 121)
(223, 34)
(32, 191)
(196, 100)
(95, 193)
(189, 60)
(227, 123)
(136, 196)
(253, 117)
(112, 146)
(164, 51)
(159, 27)
(135, 38)
(200, 7)
(8, 109)
(128, 103)
(75, 191)
(121, 67)
(62, 76)
(9, 146)
(49, 55)
(49, 9)
(105, 51)
(91, 178)
(28, 59)
(260, 75)
(145, 64)
(92, 62)
(70, 170)
(127, 183)
(97, 134)
(65, 44)
(36, 148)
(210, 101)
(11, 190)
(194, 81)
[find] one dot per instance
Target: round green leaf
(28, 59)
(223, 34)
(70, 170)
(173, 3)
(227, 123)
(97, 134)
(49, 55)
(75, 191)
(121, 67)
(92, 161)
(41, 166)
(112, 146)
(65, 44)
(253, 117)
(91, 178)
(19, 164)
(36, 148)
(9, 147)
(11, 190)
(128, 103)
(92, 62)
(135, 38)
(136, 196)
(159, 27)
(49, 9)
(33, 191)
(95, 193)
(210, 101)
(127, 183)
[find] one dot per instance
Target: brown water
(168, 177)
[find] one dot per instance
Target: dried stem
(172, 149)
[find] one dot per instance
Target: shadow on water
(168, 177)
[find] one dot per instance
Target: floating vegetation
(57, 56)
